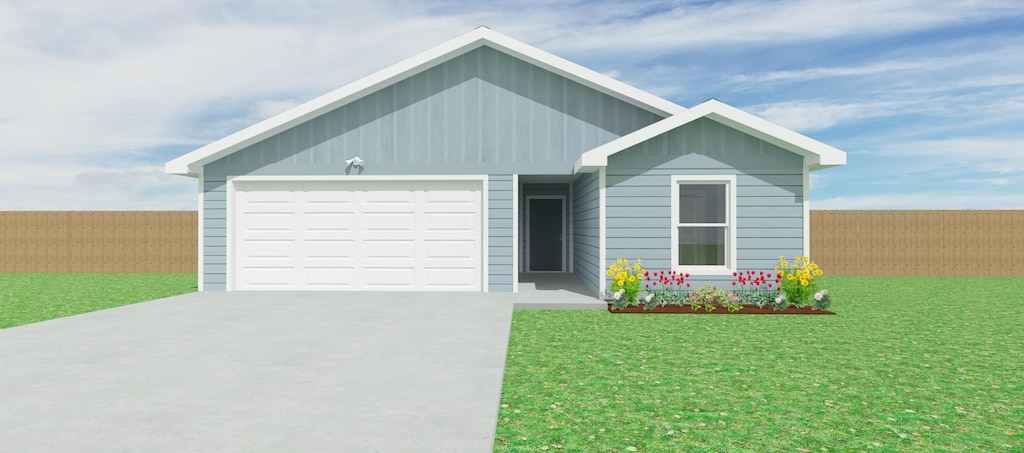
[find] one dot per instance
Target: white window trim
(730, 213)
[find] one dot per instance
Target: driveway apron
(260, 372)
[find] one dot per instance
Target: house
(466, 165)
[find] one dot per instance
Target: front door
(546, 234)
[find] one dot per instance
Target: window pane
(701, 246)
(702, 203)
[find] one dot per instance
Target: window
(703, 223)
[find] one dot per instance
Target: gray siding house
(484, 158)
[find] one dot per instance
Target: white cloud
(817, 115)
(923, 200)
(999, 155)
(763, 22)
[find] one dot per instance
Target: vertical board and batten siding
(769, 196)
(585, 235)
(500, 267)
(480, 113)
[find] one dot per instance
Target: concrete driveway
(260, 372)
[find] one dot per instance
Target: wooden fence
(946, 243)
(98, 241)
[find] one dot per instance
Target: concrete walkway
(260, 372)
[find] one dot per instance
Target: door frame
(526, 228)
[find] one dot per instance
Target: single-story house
(483, 158)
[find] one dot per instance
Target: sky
(925, 97)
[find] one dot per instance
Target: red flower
(733, 274)
(769, 285)
(687, 285)
(687, 276)
(733, 283)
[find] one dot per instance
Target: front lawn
(929, 364)
(28, 298)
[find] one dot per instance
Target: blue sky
(926, 98)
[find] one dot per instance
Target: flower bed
(788, 287)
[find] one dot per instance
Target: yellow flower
(790, 277)
(638, 261)
(803, 282)
(782, 257)
(611, 272)
(632, 278)
(784, 265)
(636, 268)
(818, 272)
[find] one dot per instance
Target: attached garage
(356, 234)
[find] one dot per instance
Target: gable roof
(191, 164)
(818, 155)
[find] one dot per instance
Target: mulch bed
(746, 310)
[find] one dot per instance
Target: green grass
(924, 364)
(29, 298)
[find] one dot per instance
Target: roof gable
(191, 164)
(818, 155)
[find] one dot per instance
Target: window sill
(704, 270)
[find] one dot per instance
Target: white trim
(231, 198)
(807, 213)
(229, 232)
(361, 178)
(817, 155)
(602, 233)
(565, 236)
(515, 233)
(191, 164)
(200, 284)
(731, 249)
(485, 253)
(571, 236)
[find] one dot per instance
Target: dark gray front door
(546, 234)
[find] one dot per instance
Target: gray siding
(585, 234)
(475, 114)
(214, 233)
(479, 113)
(500, 267)
(769, 196)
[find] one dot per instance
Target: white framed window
(704, 224)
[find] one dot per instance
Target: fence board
(946, 243)
(925, 242)
(98, 241)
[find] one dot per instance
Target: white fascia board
(816, 154)
(191, 164)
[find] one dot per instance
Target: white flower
(779, 299)
(824, 292)
(621, 292)
(618, 295)
(649, 297)
(817, 296)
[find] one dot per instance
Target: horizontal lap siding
(585, 234)
(769, 196)
(499, 235)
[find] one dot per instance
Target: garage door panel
(385, 221)
(267, 248)
(330, 221)
(331, 277)
(344, 249)
(449, 278)
(358, 235)
(282, 277)
(389, 248)
(385, 278)
(435, 221)
(440, 248)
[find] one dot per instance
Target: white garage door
(357, 235)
